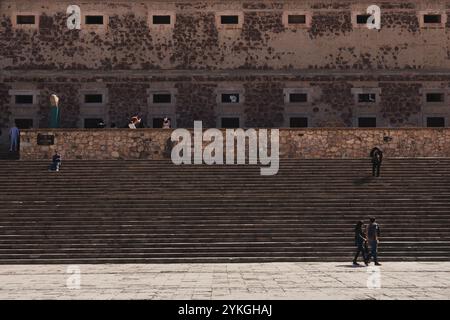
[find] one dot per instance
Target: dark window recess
(432, 18)
(162, 98)
(435, 97)
(368, 122)
(26, 20)
(93, 98)
(298, 122)
(158, 122)
(24, 123)
(362, 18)
(435, 122)
(229, 19)
(230, 98)
(297, 19)
(230, 123)
(298, 97)
(367, 97)
(93, 123)
(94, 20)
(24, 99)
(161, 19)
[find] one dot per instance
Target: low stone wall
(110, 144)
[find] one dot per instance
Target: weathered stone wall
(294, 143)
(195, 41)
(197, 57)
(332, 101)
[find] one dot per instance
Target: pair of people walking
(365, 238)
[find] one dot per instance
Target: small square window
(432, 18)
(230, 123)
(94, 20)
(435, 97)
(161, 19)
(26, 19)
(24, 99)
(162, 98)
(362, 18)
(298, 97)
(296, 19)
(298, 122)
(436, 122)
(367, 97)
(230, 98)
(228, 19)
(93, 98)
(367, 122)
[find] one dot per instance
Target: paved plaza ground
(236, 281)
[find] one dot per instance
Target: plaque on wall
(45, 140)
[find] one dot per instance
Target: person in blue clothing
(360, 242)
(14, 134)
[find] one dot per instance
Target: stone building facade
(229, 63)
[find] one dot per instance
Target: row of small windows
(292, 19)
(234, 122)
(231, 98)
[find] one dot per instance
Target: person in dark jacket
(377, 157)
(360, 242)
(56, 162)
(373, 235)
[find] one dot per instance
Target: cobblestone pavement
(403, 280)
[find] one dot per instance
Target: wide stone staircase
(154, 211)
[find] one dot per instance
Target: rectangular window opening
(297, 19)
(162, 98)
(159, 19)
(94, 20)
(24, 99)
(26, 19)
(230, 98)
(230, 123)
(24, 123)
(436, 122)
(367, 97)
(93, 123)
(298, 97)
(362, 18)
(367, 122)
(435, 97)
(93, 98)
(298, 122)
(432, 18)
(229, 19)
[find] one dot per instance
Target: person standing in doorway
(14, 134)
(373, 235)
(360, 242)
(55, 112)
(377, 157)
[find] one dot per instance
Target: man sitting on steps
(56, 162)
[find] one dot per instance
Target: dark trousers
(374, 250)
(376, 169)
(55, 165)
(363, 250)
